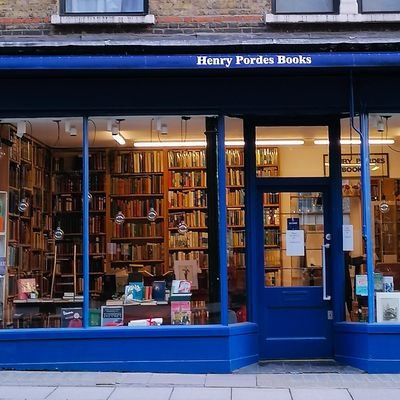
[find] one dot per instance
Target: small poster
(293, 224)
(361, 285)
(71, 317)
(348, 239)
(187, 270)
(295, 243)
(112, 315)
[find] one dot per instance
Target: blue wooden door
(294, 310)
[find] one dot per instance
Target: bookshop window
(305, 6)
(148, 225)
(385, 189)
(234, 160)
(41, 221)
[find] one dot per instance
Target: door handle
(323, 249)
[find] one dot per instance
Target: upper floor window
(305, 6)
(381, 6)
(104, 6)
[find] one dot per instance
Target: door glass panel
(293, 236)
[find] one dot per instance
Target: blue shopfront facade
(264, 89)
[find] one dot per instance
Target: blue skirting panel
(374, 348)
(190, 349)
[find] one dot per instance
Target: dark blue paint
(371, 347)
(221, 181)
(197, 349)
(85, 219)
(155, 62)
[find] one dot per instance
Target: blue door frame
(294, 322)
(331, 186)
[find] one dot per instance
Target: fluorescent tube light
(227, 143)
(171, 144)
(356, 141)
(118, 138)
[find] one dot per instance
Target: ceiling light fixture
(21, 128)
(73, 131)
(356, 141)
(116, 134)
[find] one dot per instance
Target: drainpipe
(365, 200)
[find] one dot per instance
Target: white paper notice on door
(295, 243)
(348, 240)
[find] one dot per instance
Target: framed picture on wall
(187, 270)
(388, 307)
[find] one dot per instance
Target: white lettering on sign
(256, 60)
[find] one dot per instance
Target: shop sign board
(351, 165)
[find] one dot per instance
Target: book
(114, 302)
(180, 313)
(71, 317)
(180, 286)
(134, 291)
(158, 290)
(112, 315)
(25, 287)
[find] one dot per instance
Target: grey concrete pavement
(17, 385)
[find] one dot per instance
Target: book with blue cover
(158, 290)
(134, 291)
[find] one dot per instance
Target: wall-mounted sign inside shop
(351, 165)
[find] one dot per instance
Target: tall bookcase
(136, 189)
(187, 203)
(67, 202)
(3, 253)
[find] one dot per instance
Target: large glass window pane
(104, 6)
(371, 6)
(300, 7)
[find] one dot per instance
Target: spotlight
(21, 128)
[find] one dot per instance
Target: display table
(40, 313)
(134, 312)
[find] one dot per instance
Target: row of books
(195, 218)
(187, 179)
(137, 185)
(199, 255)
(266, 155)
(137, 162)
(97, 162)
(129, 229)
(130, 252)
(136, 208)
(186, 159)
(189, 239)
(69, 202)
(235, 177)
(73, 183)
(271, 216)
(189, 198)
(235, 197)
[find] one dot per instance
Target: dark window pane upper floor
(104, 6)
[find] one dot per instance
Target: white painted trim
(102, 19)
(348, 7)
(329, 18)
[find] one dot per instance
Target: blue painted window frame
(63, 10)
(275, 8)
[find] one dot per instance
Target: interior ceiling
(144, 128)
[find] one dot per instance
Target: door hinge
(330, 314)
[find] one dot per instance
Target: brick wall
(32, 17)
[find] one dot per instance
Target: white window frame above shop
(103, 12)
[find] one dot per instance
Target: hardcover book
(180, 286)
(158, 290)
(25, 287)
(112, 315)
(134, 291)
(180, 313)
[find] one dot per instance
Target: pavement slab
(185, 393)
(260, 394)
(25, 392)
(141, 393)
